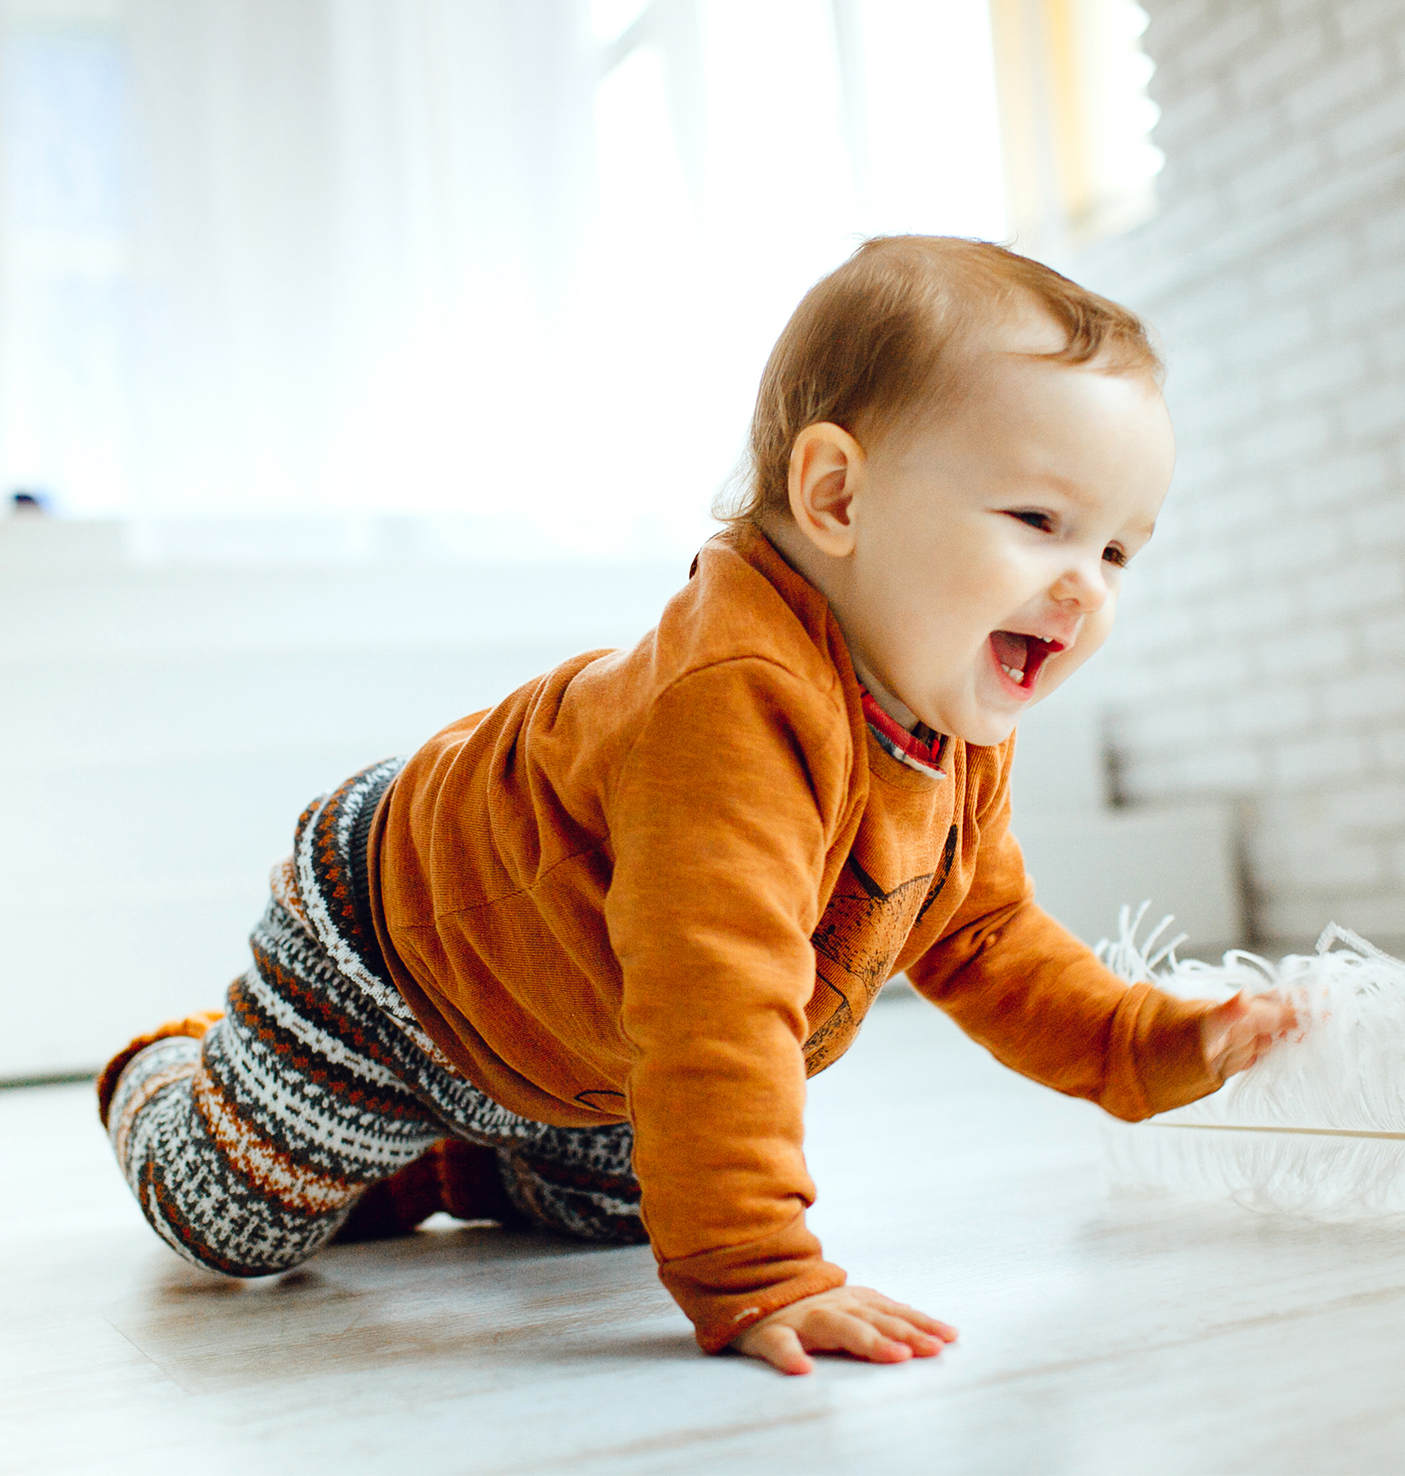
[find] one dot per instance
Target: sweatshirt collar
(923, 750)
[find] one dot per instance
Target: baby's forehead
(1026, 344)
(1004, 363)
(1011, 401)
(980, 363)
(1021, 326)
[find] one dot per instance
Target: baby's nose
(1082, 585)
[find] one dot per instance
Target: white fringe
(1316, 1128)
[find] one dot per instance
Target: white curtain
(511, 264)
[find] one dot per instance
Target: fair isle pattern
(247, 1149)
(326, 883)
(576, 1204)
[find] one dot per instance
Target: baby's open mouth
(1021, 656)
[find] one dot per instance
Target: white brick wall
(1261, 653)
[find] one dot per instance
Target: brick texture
(1260, 655)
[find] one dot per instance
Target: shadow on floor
(473, 1294)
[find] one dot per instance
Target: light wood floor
(1098, 1335)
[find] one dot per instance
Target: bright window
(432, 262)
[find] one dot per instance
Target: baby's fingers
(833, 1331)
(879, 1303)
(1274, 1014)
(923, 1344)
(778, 1345)
(1243, 1029)
(943, 1331)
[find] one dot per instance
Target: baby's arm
(1233, 1035)
(710, 910)
(866, 1324)
(848, 1319)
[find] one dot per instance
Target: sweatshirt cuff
(725, 1291)
(1158, 1059)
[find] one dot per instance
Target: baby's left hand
(1236, 1033)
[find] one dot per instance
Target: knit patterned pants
(248, 1147)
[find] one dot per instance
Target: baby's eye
(1040, 520)
(1114, 555)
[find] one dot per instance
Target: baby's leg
(247, 1148)
(578, 1181)
(582, 1187)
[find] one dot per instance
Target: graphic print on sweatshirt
(859, 938)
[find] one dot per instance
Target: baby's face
(990, 547)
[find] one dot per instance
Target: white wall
(165, 724)
(1089, 858)
(1261, 658)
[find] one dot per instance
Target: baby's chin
(981, 716)
(988, 734)
(980, 729)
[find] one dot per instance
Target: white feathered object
(1317, 1127)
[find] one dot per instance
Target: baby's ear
(827, 467)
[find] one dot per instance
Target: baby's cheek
(1096, 629)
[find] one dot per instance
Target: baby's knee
(221, 1195)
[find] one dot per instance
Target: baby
(571, 965)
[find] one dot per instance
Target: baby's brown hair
(873, 339)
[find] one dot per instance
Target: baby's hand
(849, 1319)
(1235, 1034)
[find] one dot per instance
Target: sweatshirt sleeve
(710, 911)
(1040, 1001)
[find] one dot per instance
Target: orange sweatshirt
(665, 884)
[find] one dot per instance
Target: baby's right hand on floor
(849, 1319)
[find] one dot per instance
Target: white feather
(1315, 1128)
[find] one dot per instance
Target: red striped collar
(923, 750)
